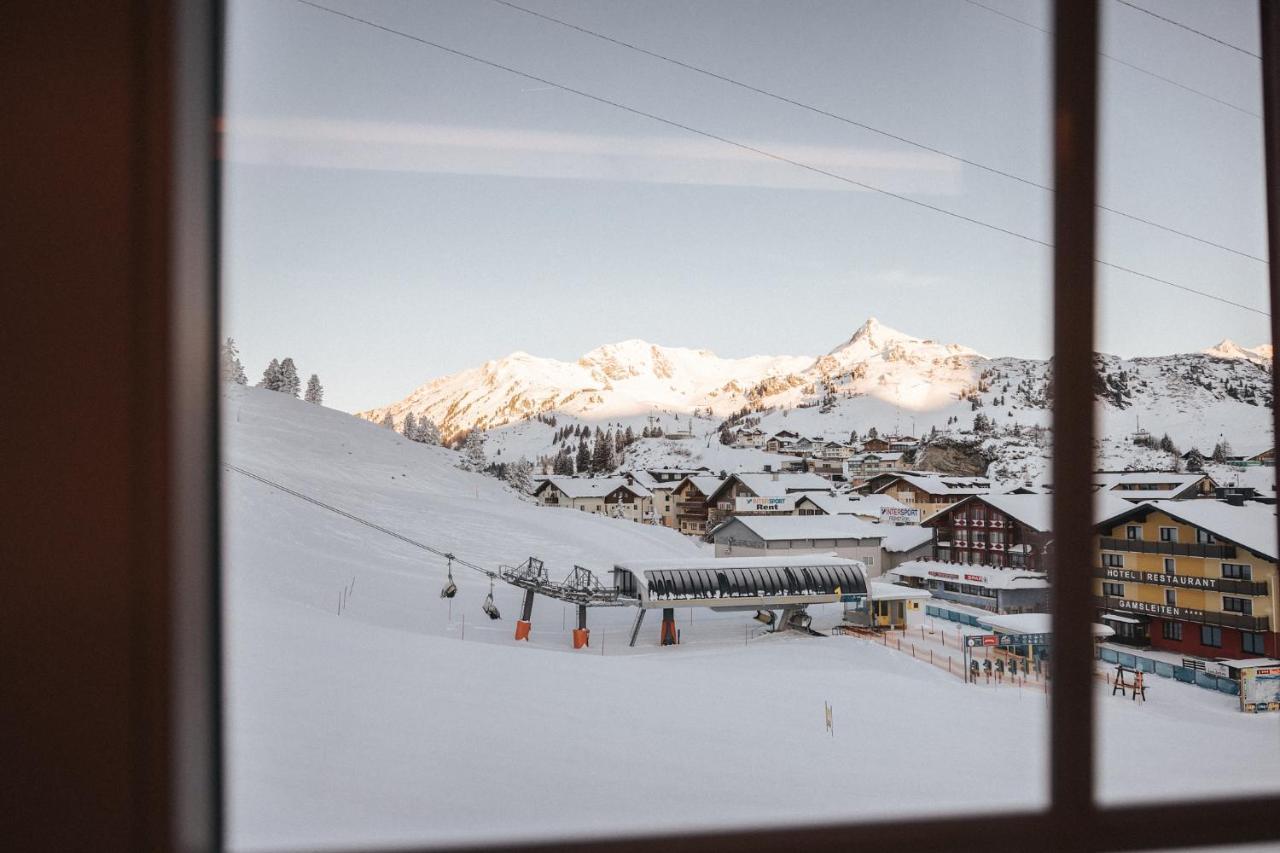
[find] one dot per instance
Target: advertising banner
(899, 515)
(1260, 689)
(753, 504)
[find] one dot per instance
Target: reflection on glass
(1185, 580)
(582, 491)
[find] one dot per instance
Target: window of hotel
(1231, 604)
(1113, 590)
(1113, 561)
(1254, 644)
(1171, 630)
(1168, 534)
(1211, 635)
(1169, 565)
(1133, 531)
(1204, 537)
(1171, 597)
(1237, 571)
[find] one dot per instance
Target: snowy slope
(404, 720)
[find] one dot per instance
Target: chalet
(800, 447)
(611, 496)
(833, 450)
(770, 535)
(875, 445)
(778, 440)
(901, 443)
(1196, 578)
(828, 469)
(660, 484)
(864, 466)
(750, 437)
(1002, 530)
(1154, 485)
(769, 491)
(931, 493)
(690, 498)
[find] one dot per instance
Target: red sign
(978, 578)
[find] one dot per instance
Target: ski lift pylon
(450, 588)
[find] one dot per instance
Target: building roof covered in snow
(776, 485)
(942, 484)
(705, 483)
(772, 528)
(591, 487)
(1031, 623)
(1252, 526)
(990, 577)
(900, 538)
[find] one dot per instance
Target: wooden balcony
(1176, 549)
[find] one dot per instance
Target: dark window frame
(144, 133)
(1211, 636)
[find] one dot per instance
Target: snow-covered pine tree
(726, 436)
(473, 458)
(629, 437)
(520, 475)
(1195, 461)
(388, 422)
(428, 432)
(584, 456)
(409, 426)
(271, 376)
(232, 369)
(1220, 453)
(315, 391)
(289, 382)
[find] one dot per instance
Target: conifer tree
(473, 458)
(630, 437)
(584, 456)
(289, 382)
(519, 475)
(388, 422)
(232, 369)
(271, 376)
(409, 426)
(428, 432)
(1195, 461)
(315, 391)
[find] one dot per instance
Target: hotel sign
(1185, 581)
(1153, 609)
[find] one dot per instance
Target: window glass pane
(1185, 408)
(571, 304)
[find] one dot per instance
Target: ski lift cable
(445, 554)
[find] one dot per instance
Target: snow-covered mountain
(1227, 348)
(879, 377)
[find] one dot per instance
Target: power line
(860, 124)
(1123, 62)
(743, 146)
(492, 575)
(1181, 25)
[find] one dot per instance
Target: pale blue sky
(394, 213)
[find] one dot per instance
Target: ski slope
(362, 709)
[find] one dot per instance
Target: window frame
(159, 307)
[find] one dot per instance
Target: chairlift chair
(489, 607)
(450, 588)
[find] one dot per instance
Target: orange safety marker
(522, 629)
(581, 637)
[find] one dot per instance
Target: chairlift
(489, 607)
(764, 617)
(450, 588)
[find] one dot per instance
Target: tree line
(280, 375)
